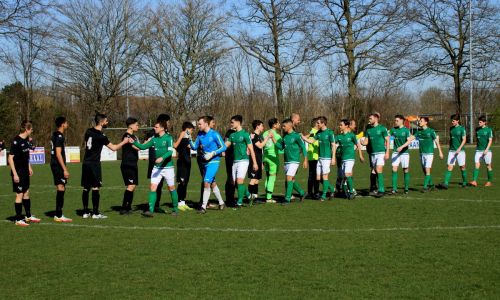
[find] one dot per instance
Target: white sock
(218, 195)
(206, 196)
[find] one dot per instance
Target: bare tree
(15, 13)
(98, 49)
(183, 48)
(274, 33)
(364, 33)
(441, 36)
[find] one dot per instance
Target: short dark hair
(60, 121)
(162, 124)
(256, 123)
(455, 117)
(238, 118)
(346, 122)
(187, 125)
(163, 117)
(313, 121)
(425, 118)
(482, 118)
(285, 121)
(322, 119)
(207, 119)
(401, 117)
(99, 118)
(375, 114)
(130, 121)
(272, 121)
(26, 125)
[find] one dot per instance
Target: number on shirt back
(89, 143)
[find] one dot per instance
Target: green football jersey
(347, 141)
(164, 147)
(426, 139)
(401, 135)
(456, 135)
(325, 138)
(376, 139)
(483, 134)
(270, 148)
(293, 145)
(240, 141)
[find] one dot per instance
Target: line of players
(246, 155)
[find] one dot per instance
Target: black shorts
(130, 174)
(91, 175)
(58, 174)
(255, 174)
(151, 164)
(183, 171)
(24, 183)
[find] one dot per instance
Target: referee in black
(183, 163)
(128, 166)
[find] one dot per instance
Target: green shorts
(271, 165)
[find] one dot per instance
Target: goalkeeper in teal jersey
(293, 145)
(164, 166)
(401, 154)
(426, 139)
(327, 151)
(271, 157)
(484, 138)
(456, 154)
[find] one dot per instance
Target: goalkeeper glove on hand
(209, 155)
(187, 135)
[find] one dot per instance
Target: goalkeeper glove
(209, 155)
(187, 135)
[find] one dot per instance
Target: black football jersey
(57, 140)
(94, 141)
(258, 152)
(129, 154)
(20, 148)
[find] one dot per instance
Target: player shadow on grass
(11, 218)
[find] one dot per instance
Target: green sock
(407, 181)
(297, 188)
(241, 193)
(394, 181)
(431, 183)
(326, 185)
(270, 186)
(350, 184)
(289, 191)
(447, 177)
(490, 175)
(152, 201)
(175, 201)
(464, 177)
(427, 178)
(475, 174)
(380, 177)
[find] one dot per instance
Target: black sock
(373, 182)
(130, 200)
(128, 196)
(95, 201)
(27, 207)
(316, 187)
(59, 203)
(19, 211)
(253, 189)
(85, 201)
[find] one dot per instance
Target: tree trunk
(458, 92)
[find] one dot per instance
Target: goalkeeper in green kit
(271, 157)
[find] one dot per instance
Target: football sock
(447, 177)
(289, 191)
(490, 175)
(394, 181)
(464, 177)
(175, 201)
(350, 184)
(298, 189)
(85, 201)
(159, 189)
(407, 180)
(475, 174)
(95, 201)
(59, 203)
(206, 196)
(326, 185)
(380, 177)
(152, 201)
(373, 182)
(426, 181)
(27, 207)
(241, 193)
(19, 211)
(218, 194)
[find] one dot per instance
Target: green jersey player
(400, 155)
(347, 143)
(456, 154)
(427, 138)
(484, 137)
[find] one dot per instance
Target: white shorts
(323, 167)
(426, 159)
(168, 173)
(377, 159)
(291, 169)
(485, 159)
(347, 166)
(454, 157)
(402, 159)
(240, 169)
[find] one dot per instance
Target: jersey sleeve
(433, 135)
(170, 148)
(220, 143)
(104, 139)
(144, 146)
(302, 146)
(59, 141)
(331, 137)
(385, 133)
(248, 141)
(15, 148)
(490, 134)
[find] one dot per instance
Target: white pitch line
(272, 230)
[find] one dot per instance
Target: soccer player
(95, 139)
(484, 136)
(163, 168)
(212, 145)
(271, 157)
(58, 167)
(240, 141)
(258, 143)
(312, 157)
(400, 154)
(229, 157)
(128, 166)
(21, 171)
(456, 154)
(427, 137)
(183, 163)
(347, 143)
(202, 161)
(293, 145)
(295, 117)
(327, 149)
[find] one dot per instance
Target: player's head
(287, 125)
(61, 122)
(455, 119)
(160, 126)
(399, 120)
(322, 121)
(211, 122)
(187, 126)
(258, 125)
(352, 124)
(204, 123)
(236, 121)
(373, 118)
(273, 123)
(26, 127)
(482, 121)
(132, 124)
(423, 121)
(101, 120)
(163, 117)
(295, 118)
(344, 125)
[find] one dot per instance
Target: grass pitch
(444, 244)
